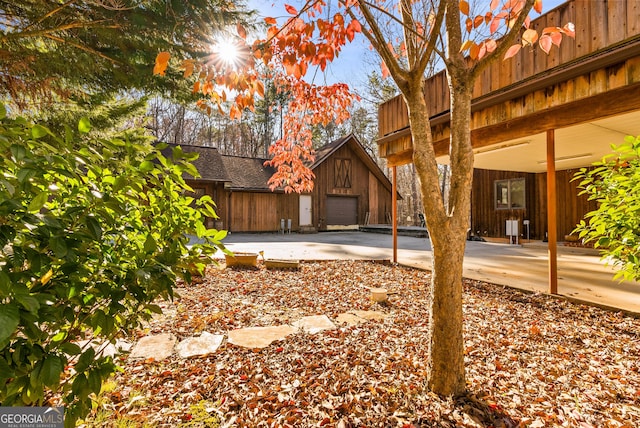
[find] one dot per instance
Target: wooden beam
(394, 213)
(552, 220)
(607, 104)
(611, 103)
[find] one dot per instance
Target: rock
(259, 337)
(314, 324)
(206, 343)
(356, 317)
(158, 347)
(370, 315)
(350, 319)
(107, 349)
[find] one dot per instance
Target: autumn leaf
(241, 31)
(537, 6)
(529, 37)
(162, 61)
(464, 7)
(512, 51)
(270, 21)
(290, 9)
(545, 43)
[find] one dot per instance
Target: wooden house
(537, 118)
(349, 189)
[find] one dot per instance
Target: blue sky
(355, 61)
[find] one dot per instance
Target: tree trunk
(447, 230)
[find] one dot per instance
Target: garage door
(342, 210)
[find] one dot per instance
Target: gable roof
(244, 173)
(247, 173)
(325, 152)
(209, 164)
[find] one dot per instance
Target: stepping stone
(206, 343)
(158, 347)
(370, 315)
(259, 337)
(358, 317)
(314, 324)
(107, 349)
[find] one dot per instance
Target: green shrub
(90, 238)
(615, 226)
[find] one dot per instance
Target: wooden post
(394, 212)
(552, 220)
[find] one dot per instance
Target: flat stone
(158, 347)
(357, 317)
(259, 337)
(205, 344)
(370, 315)
(314, 324)
(106, 349)
(350, 319)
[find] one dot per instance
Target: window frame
(506, 191)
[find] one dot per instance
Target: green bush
(615, 226)
(90, 238)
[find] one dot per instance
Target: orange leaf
(494, 4)
(464, 7)
(556, 38)
(474, 51)
(491, 45)
(290, 9)
(537, 6)
(569, 29)
(196, 87)
(545, 43)
(162, 61)
(477, 21)
(512, 51)
(385, 70)
(529, 37)
(468, 24)
(466, 45)
(241, 31)
(270, 21)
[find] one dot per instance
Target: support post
(394, 212)
(552, 218)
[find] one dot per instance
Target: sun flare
(227, 52)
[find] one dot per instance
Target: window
(342, 173)
(510, 194)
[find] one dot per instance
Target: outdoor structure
(536, 118)
(349, 189)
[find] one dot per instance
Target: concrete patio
(581, 274)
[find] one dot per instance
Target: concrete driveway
(581, 274)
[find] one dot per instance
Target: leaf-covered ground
(531, 360)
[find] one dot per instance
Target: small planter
(379, 295)
(242, 259)
(281, 264)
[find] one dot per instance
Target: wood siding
(490, 222)
(259, 212)
(325, 185)
(599, 25)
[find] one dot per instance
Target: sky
(355, 60)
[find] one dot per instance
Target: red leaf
(270, 21)
(290, 9)
(512, 51)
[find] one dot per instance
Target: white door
(305, 210)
